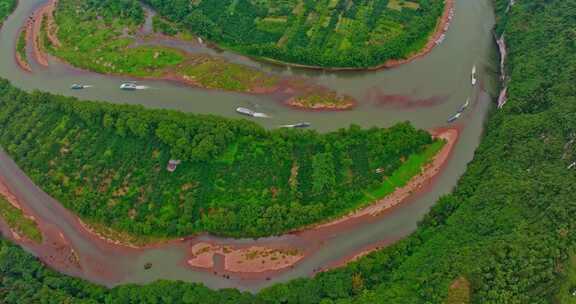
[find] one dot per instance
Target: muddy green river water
(425, 92)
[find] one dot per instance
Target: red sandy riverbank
(34, 27)
(238, 260)
(243, 259)
(12, 200)
(417, 183)
(55, 247)
(101, 258)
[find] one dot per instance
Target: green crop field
(329, 33)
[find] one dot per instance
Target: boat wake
(142, 87)
(260, 115)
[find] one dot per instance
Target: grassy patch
(18, 222)
(401, 4)
(229, 156)
(107, 45)
(410, 168)
(104, 45)
(21, 45)
(328, 99)
(219, 74)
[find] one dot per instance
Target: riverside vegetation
(108, 164)
(6, 7)
(18, 222)
(105, 37)
(327, 33)
(505, 235)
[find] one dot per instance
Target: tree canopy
(108, 163)
(328, 33)
(505, 234)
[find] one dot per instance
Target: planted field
(328, 33)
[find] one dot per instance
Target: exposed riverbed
(426, 92)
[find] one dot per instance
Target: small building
(172, 165)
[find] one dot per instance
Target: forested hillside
(329, 33)
(503, 236)
(109, 164)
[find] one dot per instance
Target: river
(425, 92)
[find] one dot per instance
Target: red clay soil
(52, 28)
(243, 259)
(12, 200)
(22, 64)
(55, 248)
(34, 27)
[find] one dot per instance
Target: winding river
(425, 92)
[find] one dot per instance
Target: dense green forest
(329, 33)
(507, 230)
(106, 36)
(109, 163)
(6, 7)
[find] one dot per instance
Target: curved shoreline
(348, 103)
(241, 261)
(441, 28)
(395, 224)
(289, 87)
(22, 64)
(413, 186)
